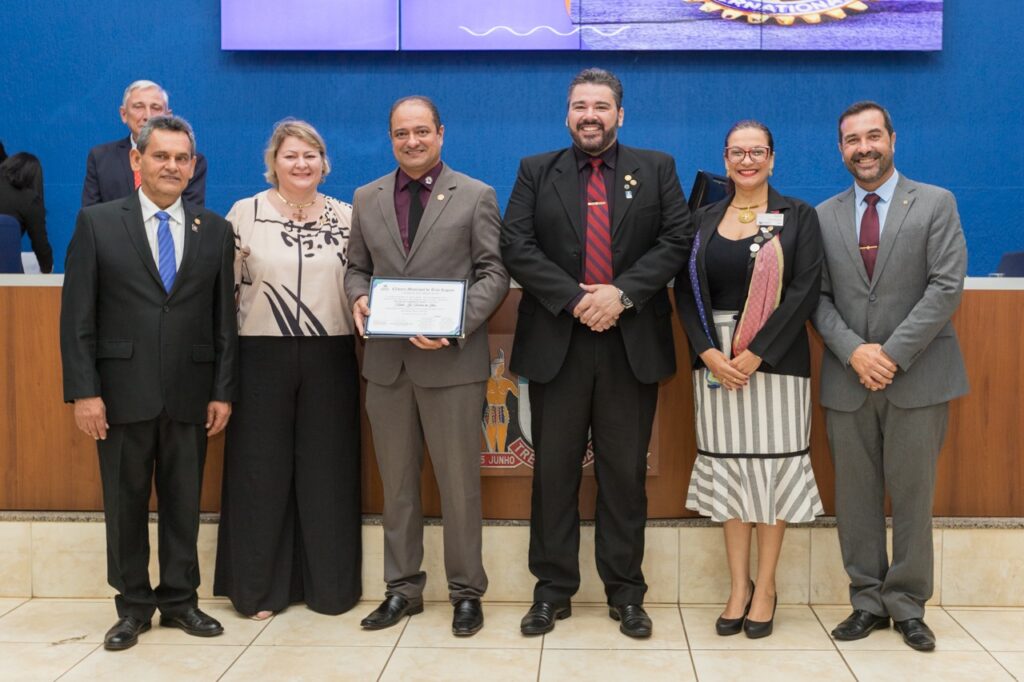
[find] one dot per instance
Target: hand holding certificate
(401, 307)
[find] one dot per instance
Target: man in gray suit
(427, 221)
(895, 260)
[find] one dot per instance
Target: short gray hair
(174, 124)
(144, 85)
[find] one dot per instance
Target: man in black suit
(108, 171)
(593, 233)
(149, 348)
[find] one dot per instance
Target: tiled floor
(50, 639)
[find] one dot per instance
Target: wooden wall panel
(47, 464)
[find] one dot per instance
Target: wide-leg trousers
(290, 525)
(595, 390)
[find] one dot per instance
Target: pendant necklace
(300, 215)
(746, 213)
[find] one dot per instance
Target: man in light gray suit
(895, 260)
(425, 220)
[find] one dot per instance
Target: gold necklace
(299, 214)
(746, 215)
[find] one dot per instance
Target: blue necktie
(165, 250)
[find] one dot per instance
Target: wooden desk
(47, 464)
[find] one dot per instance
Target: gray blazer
(457, 239)
(918, 280)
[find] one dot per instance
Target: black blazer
(782, 342)
(108, 175)
(542, 245)
(124, 338)
(27, 208)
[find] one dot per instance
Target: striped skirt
(753, 461)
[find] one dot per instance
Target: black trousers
(594, 390)
(129, 457)
(291, 524)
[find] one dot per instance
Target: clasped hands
(361, 311)
(600, 307)
(735, 373)
(873, 366)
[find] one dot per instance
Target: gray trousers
(401, 416)
(882, 447)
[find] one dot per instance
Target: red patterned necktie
(869, 234)
(599, 236)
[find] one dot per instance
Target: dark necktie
(415, 210)
(598, 268)
(869, 234)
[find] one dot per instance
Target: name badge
(770, 219)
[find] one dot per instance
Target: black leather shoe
(633, 620)
(390, 611)
(756, 629)
(541, 617)
(194, 622)
(916, 634)
(468, 618)
(125, 633)
(732, 626)
(859, 625)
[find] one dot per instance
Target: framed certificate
(404, 307)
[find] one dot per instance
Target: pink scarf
(763, 296)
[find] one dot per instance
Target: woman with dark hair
(21, 197)
(750, 286)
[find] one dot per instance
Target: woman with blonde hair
(290, 523)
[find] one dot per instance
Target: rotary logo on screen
(783, 12)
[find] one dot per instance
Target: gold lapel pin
(440, 197)
(628, 178)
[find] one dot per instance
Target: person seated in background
(21, 197)
(108, 172)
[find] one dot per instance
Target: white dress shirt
(177, 223)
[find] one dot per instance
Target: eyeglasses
(757, 154)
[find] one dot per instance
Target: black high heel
(732, 626)
(755, 629)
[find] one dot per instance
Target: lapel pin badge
(629, 194)
(195, 224)
(440, 197)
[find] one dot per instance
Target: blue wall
(958, 113)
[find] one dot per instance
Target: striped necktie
(165, 250)
(598, 267)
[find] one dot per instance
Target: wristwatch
(626, 301)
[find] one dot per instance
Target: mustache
(868, 155)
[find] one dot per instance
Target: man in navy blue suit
(108, 172)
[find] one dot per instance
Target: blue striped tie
(165, 249)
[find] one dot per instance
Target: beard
(870, 175)
(594, 145)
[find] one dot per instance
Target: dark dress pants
(596, 390)
(129, 456)
(291, 524)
